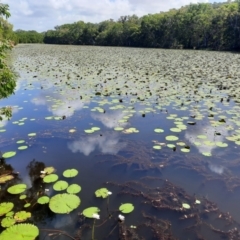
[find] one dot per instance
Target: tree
(7, 77)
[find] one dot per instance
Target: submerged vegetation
(196, 26)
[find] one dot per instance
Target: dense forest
(196, 26)
(199, 26)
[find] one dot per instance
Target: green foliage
(199, 26)
(5, 207)
(18, 188)
(88, 212)
(29, 36)
(126, 208)
(7, 77)
(20, 232)
(102, 192)
(64, 203)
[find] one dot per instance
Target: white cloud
(108, 143)
(44, 15)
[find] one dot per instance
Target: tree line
(195, 26)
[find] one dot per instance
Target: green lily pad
(221, 144)
(60, 185)
(70, 173)
(10, 214)
(172, 138)
(64, 203)
(102, 192)
(118, 128)
(49, 170)
(197, 202)
(89, 131)
(157, 147)
(5, 177)
(43, 200)
(5, 207)
(22, 147)
(74, 188)
(158, 130)
(186, 206)
(50, 178)
(9, 154)
(22, 216)
(27, 205)
(186, 150)
(88, 212)
(18, 188)
(32, 134)
(20, 141)
(21, 197)
(24, 231)
(126, 208)
(7, 222)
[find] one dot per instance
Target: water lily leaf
(22, 147)
(74, 188)
(157, 147)
(27, 205)
(22, 216)
(95, 128)
(72, 130)
(49, 170)
(23, 231)
(88, 212)
(9, 154)
(7, 222)
(70, 173)
(32, 134)
(197, 202)
(64, 203)
(20, 141)
(186, 206)
(5, 177)
(88, 131)
(118, 128)
(60, 185)
(126, 208)
(10, 214)
(21, 197)
(158, 130)
(50, 178)
(221, 144)
(171, 138)
(102, 192)
(18, 188)
(43, 200)
(5, 207)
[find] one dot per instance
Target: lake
(151, 135)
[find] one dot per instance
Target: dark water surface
(150, 89)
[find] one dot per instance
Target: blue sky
(42, 15)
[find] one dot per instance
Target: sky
(42, 15)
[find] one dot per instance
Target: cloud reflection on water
(108, 143)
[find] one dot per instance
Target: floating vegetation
(50, 178)
(126, 208)
(89, 212)
(9, 154)
(17, 189)
(69, 173)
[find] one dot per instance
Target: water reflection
(110, 119)
(107, 143)
(216, 169)
(209, 132)
(59, 105)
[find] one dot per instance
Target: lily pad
(171, 138)
(102, 192)
(50, 178)
(70, 173)
(64, 203)
(5, 177)
(7, 222)
(24, 231)
(18, 188)
(9, 154)
(60, 185)
(20, 141)
(21, 197)
(49, 170)
(32, 134)
(186, 206)
(22, 216)
(158, 130)
(27, 205)
(43, 200)
(74, 188)
(22, 147)
(88, 212)
(126, 208)
(157, 147)
(5, 207)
